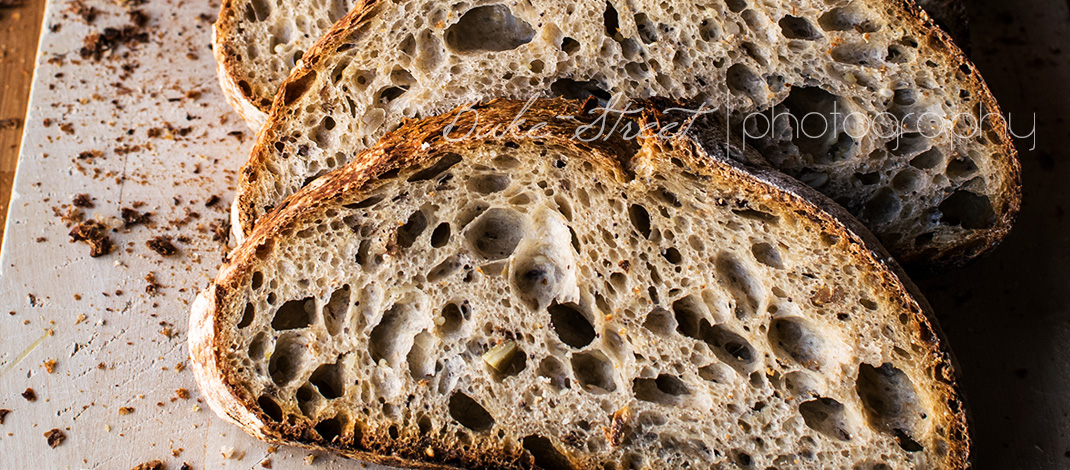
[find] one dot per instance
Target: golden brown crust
(417, 143)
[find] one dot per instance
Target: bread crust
(228, 68)
(420, 142)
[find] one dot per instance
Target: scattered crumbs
(88, 14)
(3, 414)
(211, 201)
(32, 299)
(177, 452)
(29, 394)
(153, 465)
(185, 466)
(310, 458)
(67, 128)
(229, 453)
(125, 410)
(55, 437)
(272, 449)
(266, 463)
(12, 123)
(138, 17)
(89, 154)
(132, 217)
(40, 239)
(93, 233)
(161, 244)
(81, 318)
(168, 330)
(95, 45)
(193, 94)
(78, 297)
(179, 367)
(50, 366)
(220, 230)
(101, 366)
(182, 393)
(153, 287)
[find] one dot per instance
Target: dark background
(1007, 316)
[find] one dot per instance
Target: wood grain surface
(20, 28)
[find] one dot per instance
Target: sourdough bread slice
(898, 164)
(257, 42)
(510, 301)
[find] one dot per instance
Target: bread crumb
(81, 316)
(151, 465)
(182, 393)
(132, 217)
(229, 453)
(123, 411)
(50, 366)
(310, 458)
(179, 367)
(266, 463)
(162, 245)
(272, 449)
(55, 437)
(3, 414)
(83, 200)
(185, 466)
(29, 394)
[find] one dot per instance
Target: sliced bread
(933, 198)
(257, 42)
(529, 299)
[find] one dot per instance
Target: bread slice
(257, 42)
(933, 201)
(516, 300)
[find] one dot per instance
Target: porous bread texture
(667, 310)
(933, 201)
(257, 42)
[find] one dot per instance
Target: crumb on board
(83, 200)
(150, 465)
(93, 233)
(50, 366)
(3, 414)
(266, 463)
(153, 286)
(182, 393)
(125, 410)
(132, 217)
(29, 394)
(55, 437)
(162, 245)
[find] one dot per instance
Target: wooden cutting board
(140, 125)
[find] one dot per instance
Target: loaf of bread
(905, 162)
(527, 298)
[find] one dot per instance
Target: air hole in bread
(907, 180)
(452, 319)
(306, 399)
(270, 408)
(388, 94)
(970, 210)
(496, 233)
(689, 312)
(469, 413)
(640, 219)
(294, 314)
(848, 18)
(445, 163)
(709, 30)
(889, 399)
(538, 279)
(294, 89)
(247, 316)
(441, 235)
(741, 79)
(571, 325)
(906, 442)
(488, 183)
(334, 312)
(443, 269)
(365, 203)
(258, 280)
(579, 90)
(717, 373)
(594, 371)
(327, 378)
(488, 28)
(794, 27)
(569, 45)
(911, 143)
(861, 54)
(961, 169)
(767, 254)
(666, 389)
(413, 228)
(553, 369)
(795, 339)
(258, 346)
(647, 30)
(736, 6)
(385, 342)
(660, 321)
(882, 208)
(544, 453)
(743, 287)
(815, 115)
(329, 429)
(421, 357)
(258, 10)
(826, 416)
(287, 358)
(611, 22)
(672, 255)
(729, 346)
